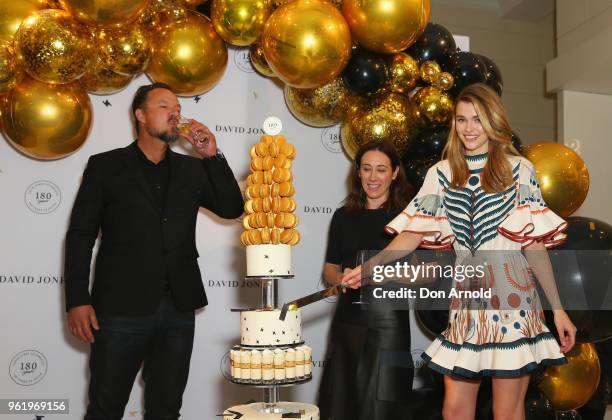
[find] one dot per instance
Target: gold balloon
(307, 43)
(192, 4)
(190, 57)
(403, 73)
(443, 81)
(386, 118)
(46, 121)
(104, 12)
(53, 47)
(240, 22)
(562, 175)
(125, 51)
(386, 26)
(13, 12)
(102, 81)
(9, 73)
(429, 70)
(337, 3)
(570, 386)
(320, 107)
(258, 60)
(432, 106)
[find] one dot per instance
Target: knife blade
(307, 300)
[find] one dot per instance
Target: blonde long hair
(497, 172)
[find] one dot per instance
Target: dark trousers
(161, 343)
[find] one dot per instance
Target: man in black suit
(144, 199)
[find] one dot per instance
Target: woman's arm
(402, 245)
(538, 260)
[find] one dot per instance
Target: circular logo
(43, 197)
(272, 126)
(242, 60)
(330, 139)
(28, 367)
(224, 366)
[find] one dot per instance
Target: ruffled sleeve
(425, 215)
(531, 219)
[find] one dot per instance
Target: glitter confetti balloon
(53, 47)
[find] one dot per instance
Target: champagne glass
(183, 126)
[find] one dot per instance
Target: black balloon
(538, 407)
(494, 76)
(466, 68)
(416, 169)
(434, 322)
(428, 144)
(517, 142)
(585, 274)
(204, 8)
(365, 72)
(436, 43)
(585, 233)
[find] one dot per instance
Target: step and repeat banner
(38, 356)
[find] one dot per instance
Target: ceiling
(532, 10)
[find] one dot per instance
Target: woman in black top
(368, 370)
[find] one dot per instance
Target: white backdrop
(38, 357)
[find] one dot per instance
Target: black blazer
(142, 247)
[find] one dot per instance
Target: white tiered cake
(271, 351)
(259, 411)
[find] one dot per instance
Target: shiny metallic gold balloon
(432, 106)
(386, 26)
(46, 121)
(125, 51)
(9, 73)
(570, 386)
(149, 19)
(101, 81)
(240, 22)
(104, 12)
(443, 81)
(307, 43)
(52, 4)
(319, 107)
(13, 12)
(192, 4)
(258, 60)
(337, 3)
(403, 73)
(190, 57)
(429, 70)
(562, 174)
(53, 47)
(386, 118)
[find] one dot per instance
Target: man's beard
(165, 136)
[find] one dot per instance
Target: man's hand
(80, 321)
(202, 139)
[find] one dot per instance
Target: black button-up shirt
(158, 179)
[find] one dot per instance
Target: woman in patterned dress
(485, 197)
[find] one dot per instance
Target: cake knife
(307, 300)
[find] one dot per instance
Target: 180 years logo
(28, 367)
(43, 197)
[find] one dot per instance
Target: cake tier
(260, 411)
(268, 260)
(264, 328)
(271, 367)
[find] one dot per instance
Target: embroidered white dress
(504, 336)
